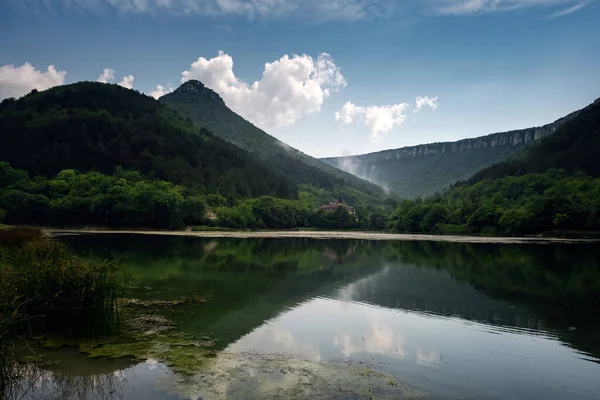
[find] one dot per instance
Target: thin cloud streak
(464, 7)
(570, 10)
(322, 10)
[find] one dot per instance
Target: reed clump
(13, 236)
(46, 289)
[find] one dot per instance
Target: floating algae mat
(190, 369)
(279, 376)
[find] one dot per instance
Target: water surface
(308, 318)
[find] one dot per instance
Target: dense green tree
(127, 199)
(525, 204)
(92, 126)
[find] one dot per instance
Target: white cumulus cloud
(421, 102)
(107, 75)
(160, 91)
(17, 81)
(127, 82)
(289, 88)
(379, 119)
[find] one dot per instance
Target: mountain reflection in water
(456, 319)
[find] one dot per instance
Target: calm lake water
(305, 318)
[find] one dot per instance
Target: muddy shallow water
(343, 319)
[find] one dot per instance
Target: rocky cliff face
(510, 139)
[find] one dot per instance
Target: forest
(126, 198)
(92, 126)
(533, 203)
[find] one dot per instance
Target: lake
(350, 319)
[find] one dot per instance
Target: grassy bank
(44, 288)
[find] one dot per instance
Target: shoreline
(327, 235)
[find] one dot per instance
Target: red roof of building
(335, 205)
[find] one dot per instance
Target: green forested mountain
(99, 154)
(554, 185)
(575, 146)
(206, 108)
(92, 126)
(425, 169)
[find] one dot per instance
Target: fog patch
(354, 166)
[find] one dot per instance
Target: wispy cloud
(251, 9)
(570, 10)
(462, 7)
(421, 102)
(313, 10)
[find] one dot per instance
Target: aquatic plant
(45, 288)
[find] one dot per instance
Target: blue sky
(476, 66)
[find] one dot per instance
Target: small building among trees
(334, 206)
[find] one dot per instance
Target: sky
(329, 77)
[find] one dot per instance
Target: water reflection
(448, 356)
(67, 374)
(462, 320)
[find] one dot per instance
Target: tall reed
(45, 288)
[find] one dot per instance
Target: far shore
(326, 235)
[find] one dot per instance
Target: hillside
(206, 108)
(575, 146)
(552, 186)
(419, 171)
(93, 126)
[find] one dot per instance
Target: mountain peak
(195, 86)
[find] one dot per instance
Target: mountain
(552, 186)
(422, 170)
(574, 146)
(94, 126)
(206, 108)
